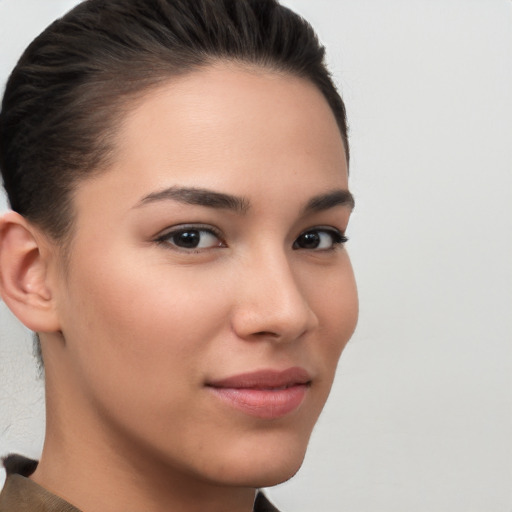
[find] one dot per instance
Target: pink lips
(266, 394)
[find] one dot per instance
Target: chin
(263, 466)
(275, 476)
(273, 473)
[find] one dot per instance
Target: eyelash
(166, 238)
(337, 237)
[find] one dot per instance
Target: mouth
(266, 394)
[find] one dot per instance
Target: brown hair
(61, 102)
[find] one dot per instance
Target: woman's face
(208, 295)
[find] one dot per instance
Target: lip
(266, 394)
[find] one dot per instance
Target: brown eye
(187, 239)
(191, 238)
(319, 239)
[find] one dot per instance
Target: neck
(95, 467)
(129, 481)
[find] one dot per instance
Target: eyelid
(165, 235)
(337, 235)
(188, 225)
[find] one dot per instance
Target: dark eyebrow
(198, 196)
(330, 200)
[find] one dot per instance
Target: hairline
(129, 102)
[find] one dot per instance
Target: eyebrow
(329, 200)
(199, 197)
(220, 200)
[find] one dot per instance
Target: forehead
(227, 127)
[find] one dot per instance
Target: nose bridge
(272, 302)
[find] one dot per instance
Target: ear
(24, 283)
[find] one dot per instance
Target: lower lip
(264, 403)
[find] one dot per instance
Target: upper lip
(264, 379)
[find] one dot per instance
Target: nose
(270, 303)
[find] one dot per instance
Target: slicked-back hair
(70, 88)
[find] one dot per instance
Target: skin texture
(135, 327)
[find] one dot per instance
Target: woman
(177, 173)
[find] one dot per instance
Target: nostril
(266, 333)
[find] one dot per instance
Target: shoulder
(20, 494)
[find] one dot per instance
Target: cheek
(333, 294)
(333, 298)
(131, 323)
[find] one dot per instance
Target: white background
(420, 418)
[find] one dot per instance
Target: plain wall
(420, 417)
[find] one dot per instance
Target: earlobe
(24, 283)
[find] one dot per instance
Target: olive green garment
(23, 495)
